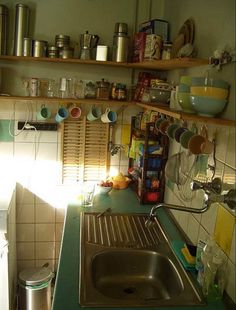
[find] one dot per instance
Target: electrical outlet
(39, 126)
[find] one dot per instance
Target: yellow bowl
(122, 184)
(207, 91)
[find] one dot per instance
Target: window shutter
(84, 150)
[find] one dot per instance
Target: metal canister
(39, 48)
(66, 52)
(3, 29)
(27, 47)
(53, 52)
(120, 45)
(62, 40)
(21, 28)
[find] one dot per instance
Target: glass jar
(121, 93)
(166, 52)
(103, 90)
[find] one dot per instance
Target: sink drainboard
(120, 230)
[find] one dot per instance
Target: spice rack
(149, 177)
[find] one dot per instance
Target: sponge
(177, 246)
(189, 258)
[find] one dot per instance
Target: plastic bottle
(211, 274)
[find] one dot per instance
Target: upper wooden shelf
(176, 63)
(68, 100)
(164, 109)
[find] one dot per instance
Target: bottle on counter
(211, 271)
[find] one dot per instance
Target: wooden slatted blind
(84, 150)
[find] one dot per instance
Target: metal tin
(21, 28)
(66, 52)
(53, 52)
(39, 48)
(62, 40)
(27, 47)
(3, 29)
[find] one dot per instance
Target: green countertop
(66, 293)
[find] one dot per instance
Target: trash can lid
(35, 276)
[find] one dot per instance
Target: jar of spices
(121, 93)
(103, 90)
(166, 51)
(113, 91)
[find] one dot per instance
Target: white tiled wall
(202, 226)
(33, 158)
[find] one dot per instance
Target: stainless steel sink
(125, 264)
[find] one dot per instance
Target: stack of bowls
(183, 94)
(208, 96)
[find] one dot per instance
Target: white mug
(109, 116)
(94, 113)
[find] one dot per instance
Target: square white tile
(23, 195)
(25, 264)
(193, 229)
(25, 213)
(25, 232)
(45, 232)
(230, 159)
(209, 219)
(45, 250)
(45, 213)
(59, 231)
(25, 250)
(60, 215)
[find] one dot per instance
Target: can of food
(39, 48)
(27, 47)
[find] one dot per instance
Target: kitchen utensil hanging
(185, 191)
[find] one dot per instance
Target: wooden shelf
(68, 100)
(164, 109)
(176, 63)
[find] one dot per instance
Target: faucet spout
(212, 194)
(152, 215)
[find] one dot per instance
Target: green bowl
(185, 103)
(207, 106)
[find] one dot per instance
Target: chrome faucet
(212, 192)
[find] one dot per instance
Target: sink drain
(129, 290)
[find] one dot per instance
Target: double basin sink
(123, 263)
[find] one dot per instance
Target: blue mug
(61, 115)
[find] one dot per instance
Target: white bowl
(104, 189)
